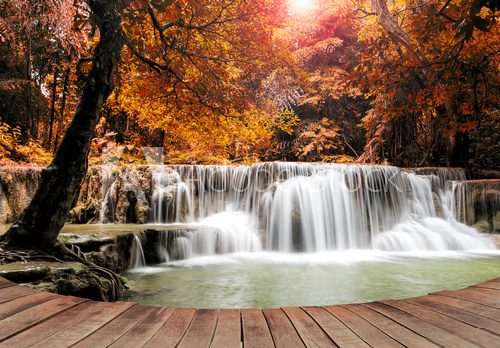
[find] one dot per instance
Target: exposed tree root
(9, 255)
(64, 254)
(76, 254)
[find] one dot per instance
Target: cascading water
(455, 199)
(311, 207)
(137, 258)
(298, 207)
(170, 196)
(108, 204)
(226, 232)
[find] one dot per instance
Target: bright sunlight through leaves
(300, 6)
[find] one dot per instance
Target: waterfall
(313, 207)
(171, 197)
(137, 258)
(455, 200)
(222, 233)
(108, 204)
(309, 207)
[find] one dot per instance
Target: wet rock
(482, 226)
(84, 213)
(111, 246)
(478, 200)
(106, 257)
(486, 174)
(44, 286)
(66, 278)
(108, 194)
(17, 187)
(164, 245)
(109, 252)
(496, 222)
(21, 272)
(84, 284)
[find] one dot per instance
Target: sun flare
(301, 5)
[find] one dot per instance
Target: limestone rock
(482, 226)
(17, 187)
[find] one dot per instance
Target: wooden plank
(13, 292)
(473, 307)
(228, 329)
(142, 332)
(256, 333)
(6, 283)
(464, 316)
(336, 330)
(202, 328)
(102, 313)
(63, 321)
(174, 328)
(390, 327)
(116, 328)
(482, 296)
(492, 294)
(489, 285)
(431, 332)
(496, 280)
(282, 330)
(12, 307)
(470, 333)
(366, 331)
(311, 334)
(25, 319)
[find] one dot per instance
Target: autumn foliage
(410, 83)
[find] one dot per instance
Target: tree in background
(431, 69)
(401, 82)
(323, 50)
(408, 83)
(201, 92)
(185, 43)
(38, 38)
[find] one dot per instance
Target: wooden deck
(464, 318)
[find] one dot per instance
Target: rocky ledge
(65, 278)
(113, 247)
(130, 194)
(478, 204)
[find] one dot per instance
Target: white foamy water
(108, 203)
(308, 208)
(137, 258)
(327, 258)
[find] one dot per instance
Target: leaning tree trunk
(41, 222)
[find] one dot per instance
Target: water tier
(302, 207)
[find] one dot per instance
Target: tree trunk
(52, 110)
(41, 222)
(63, 104)
(387, 21)
(29, 116)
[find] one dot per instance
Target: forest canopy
(409, 83)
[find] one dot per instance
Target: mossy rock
(21, 272)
